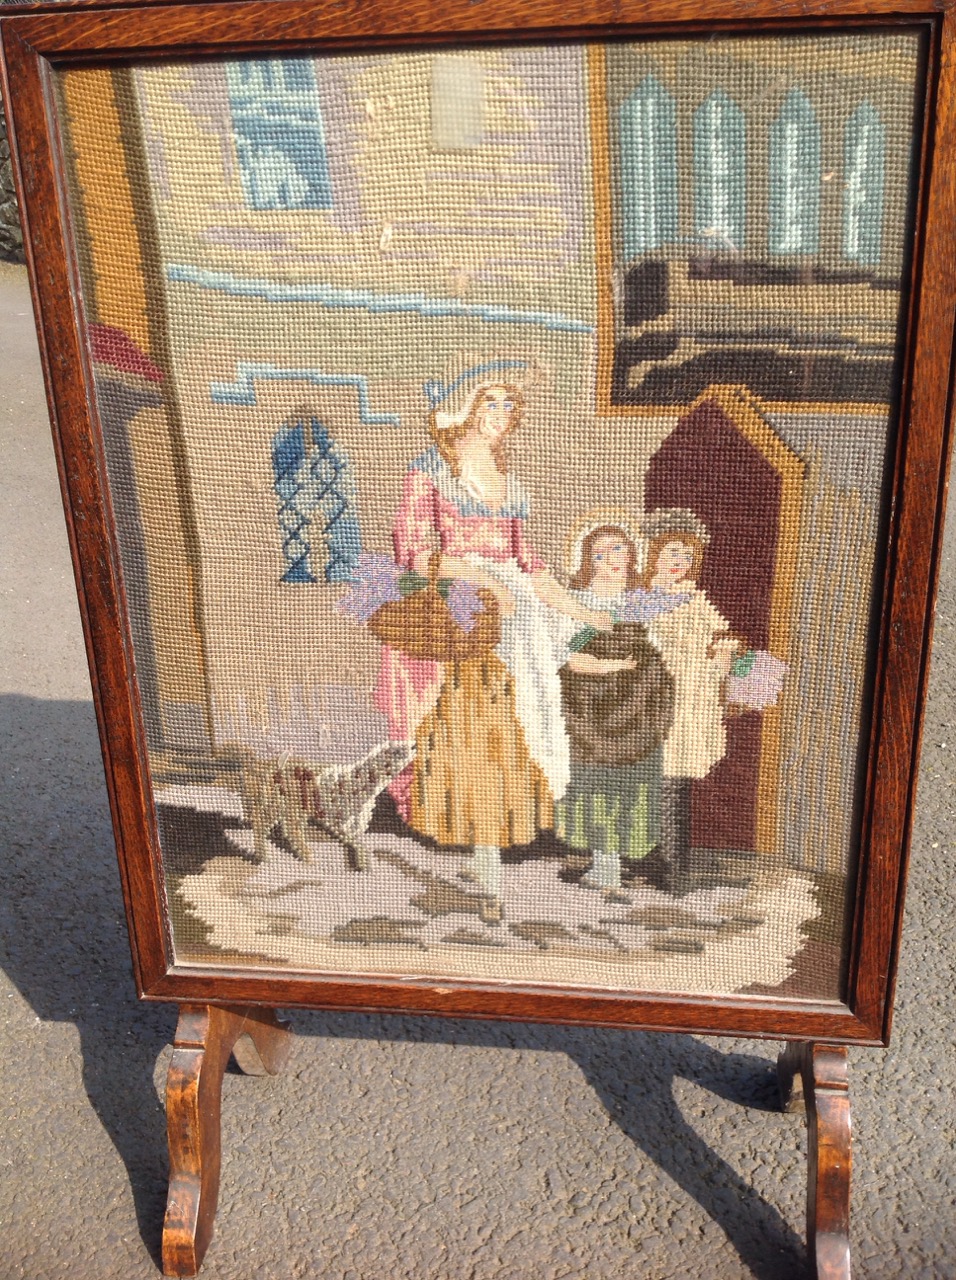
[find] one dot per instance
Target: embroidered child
(618, 700)
(698, 649)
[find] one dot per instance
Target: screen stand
(205, 1037)
(813, 1079)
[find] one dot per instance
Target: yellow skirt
(474, 780)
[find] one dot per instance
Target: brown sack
(621, 717)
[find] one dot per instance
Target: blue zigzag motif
(243, 390)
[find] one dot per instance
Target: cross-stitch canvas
(497, 440)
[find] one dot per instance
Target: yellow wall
(100, 163)
(119, 293)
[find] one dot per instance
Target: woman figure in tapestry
(491, 748)
(618, 702)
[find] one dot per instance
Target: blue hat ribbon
(436, 391)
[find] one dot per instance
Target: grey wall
(11, 240)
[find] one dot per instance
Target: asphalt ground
(399, 1147)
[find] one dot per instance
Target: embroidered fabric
(679, 343)
(534, 645)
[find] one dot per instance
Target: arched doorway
(726, 463)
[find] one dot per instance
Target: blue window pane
(795, 177)
(279, 134)
(648, 140)
(317, 503)
(864, 159)
(720, 172)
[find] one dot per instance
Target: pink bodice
(427, 521)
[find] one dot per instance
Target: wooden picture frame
(43, 46)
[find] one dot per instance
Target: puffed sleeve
(522, 550)
(711, 617)
(415, 532)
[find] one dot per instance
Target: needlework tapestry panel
(497, 442)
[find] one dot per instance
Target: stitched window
(648, 142)
(279, 134)
(317, 502)
(720, 172)
(864, 152)
(795, 177)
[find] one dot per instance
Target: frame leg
(813, 1078)
(205, 1037)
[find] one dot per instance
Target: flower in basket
(464, 602)
(375, 582)
(378, 581)
(462, 598)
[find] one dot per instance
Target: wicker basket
(422, 625)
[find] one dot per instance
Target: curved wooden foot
(813, 1077)
(205, 1037)
(790, 1069)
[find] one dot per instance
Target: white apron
(533, 646)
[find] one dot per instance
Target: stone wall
(11, 239)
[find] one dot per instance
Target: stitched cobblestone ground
(399, 1148)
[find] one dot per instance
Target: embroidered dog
(291, 794)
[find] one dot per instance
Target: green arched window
(795, 177)
(720, 173)
(864, 160)
(648, 142)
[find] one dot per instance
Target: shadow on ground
(63, 942)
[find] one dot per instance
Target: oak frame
(36, 38)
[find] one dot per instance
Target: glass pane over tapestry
(497, 445)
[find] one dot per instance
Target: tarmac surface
(400, 1147)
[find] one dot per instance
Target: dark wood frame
(36, 39)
